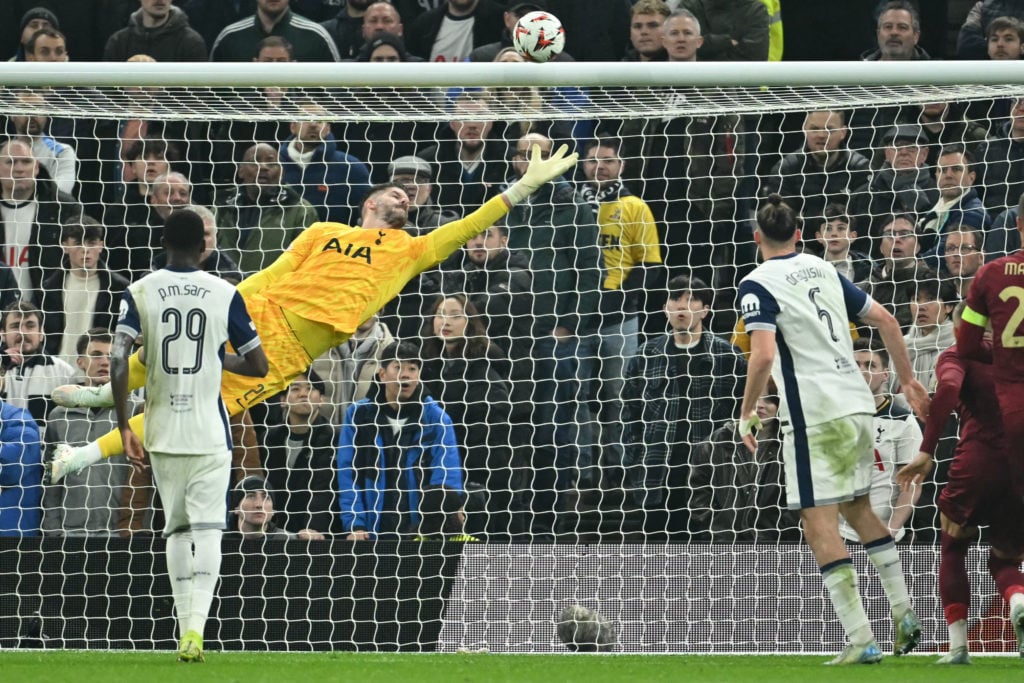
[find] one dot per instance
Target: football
(538, 36)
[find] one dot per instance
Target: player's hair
(777, 220)
(651, 7)
(401, 351)
(376, 190)
(684, 14)
(30, 46)
(866, 344)
(95, 334)
(81, 229)
(22, 308)
(275, 41)
(958, 148)
(836, 211)
(1005, 24)
(694, 286)
(475, 342)
(915, 17)
(183, 231)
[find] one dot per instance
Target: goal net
(586, 351)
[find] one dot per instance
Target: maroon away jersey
(998, 293)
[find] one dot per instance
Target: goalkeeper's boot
(191, 648)
(957, 655)
(66, 460)
(858, 654)
(907, 633)
(76, 395)
(1017, 619)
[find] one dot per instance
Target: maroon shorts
(979, 493)
(1011, 408)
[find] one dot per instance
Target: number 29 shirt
(185, 317)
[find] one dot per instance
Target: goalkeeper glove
(539, 172)
(749, 424)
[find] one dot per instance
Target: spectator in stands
(21, 473)
(262, 217)
(556, 229)
(822, 171)
(473, 379)
(238, 41)
(58, 160)
(349, 368)
(964, 255)
(498, 282)
(137, 243)
(971, 43)
(160, 30)
(399, 473)
(346, 28)
(28, 372)
(739, 497)
(899, 30)
(471, 164)
(932, 331)
(945, 124)
(32, 210)
(83, 295)
(893, 281)
(631, 253)
(405, 313)
(10, 292)
(645, 31)
(595, 30)
(34, 20)
(904, 183)
(331, 180)
(46, 45)
(254, 513)
(209, 17)
(381, 17)
(687, 372)
(90, 502)
(1005, 40)
(958, 203)
(681, 36)
(387, 48)
(835, 238)
(735, 31)
(489, 52)
(451, 31)
(897, 440)
(1004, 161)
(300, 458)
(213, 260)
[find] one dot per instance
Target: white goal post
(586, 504)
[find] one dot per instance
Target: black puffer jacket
(172, 41)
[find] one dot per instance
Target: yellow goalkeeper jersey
(339, 275)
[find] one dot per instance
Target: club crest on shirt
(750, 306)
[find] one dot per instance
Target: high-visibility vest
(774, 29)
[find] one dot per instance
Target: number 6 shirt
(185, 317)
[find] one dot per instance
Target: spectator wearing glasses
(893, 281)
(964, 255)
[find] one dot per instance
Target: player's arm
(949, 375)
(889, 329)
(129, 328)
(249, 358)
(759, 369)
(451, 236)
(970, 336)
(285, 263)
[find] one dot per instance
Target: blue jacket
(334, 182)
(428, 454)
(21, 473)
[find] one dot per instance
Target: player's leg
(955, 587)
(1005, 569)
(821, 530)
(73, 395)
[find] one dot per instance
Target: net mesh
(568, 449)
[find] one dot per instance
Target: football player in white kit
(796, 309)
(186, 316)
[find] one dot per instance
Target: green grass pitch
(235, 667)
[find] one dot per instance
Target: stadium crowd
(584, 355)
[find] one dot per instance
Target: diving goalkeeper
(332, 278)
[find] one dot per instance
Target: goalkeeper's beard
(396, 217)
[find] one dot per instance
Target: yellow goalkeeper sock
(110, 443)
(136, 372)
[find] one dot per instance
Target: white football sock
(179, 569)
(841, 581)
(86, 455)
(205, 572)
(886, 559)
(957, 634)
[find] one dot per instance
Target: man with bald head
(262, 216)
